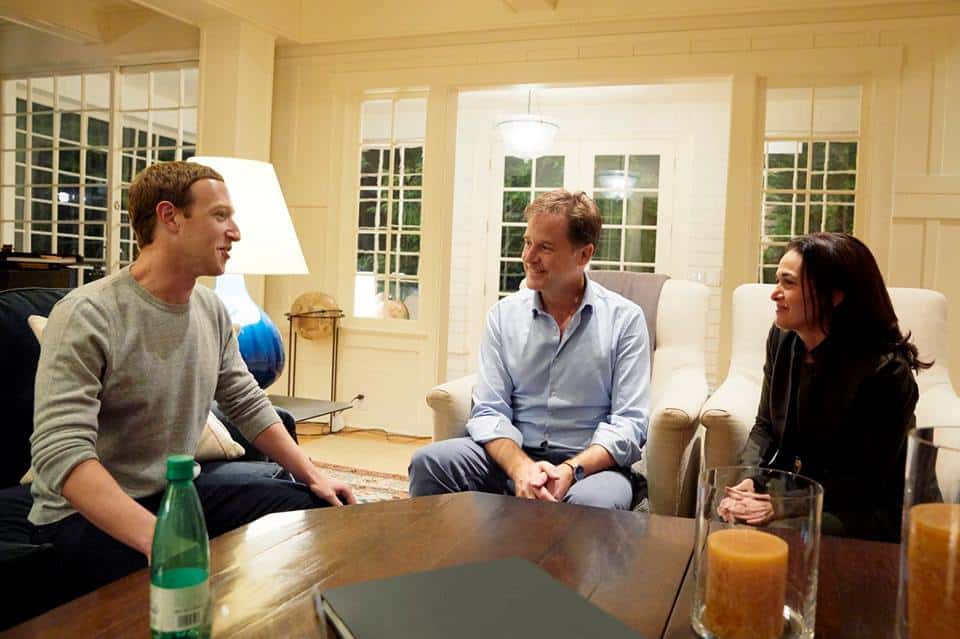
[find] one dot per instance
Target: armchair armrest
(451, 403)
(728, 416)
(938, 406)
(671, 469)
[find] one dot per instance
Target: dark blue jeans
(91, 558)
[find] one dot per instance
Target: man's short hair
(583, 216)
(165, 181)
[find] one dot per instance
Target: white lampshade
(268, 242)
(527, 136)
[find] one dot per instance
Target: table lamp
(268, 246)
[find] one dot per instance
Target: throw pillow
(215, 441)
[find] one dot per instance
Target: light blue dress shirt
(591, 386)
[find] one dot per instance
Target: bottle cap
(179, 467)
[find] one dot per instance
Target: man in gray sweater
(128, 368)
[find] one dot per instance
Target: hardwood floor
(370, 450)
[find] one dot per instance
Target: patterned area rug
(369, 485)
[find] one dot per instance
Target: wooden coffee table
(629, 564)
(856, 592)
(636, 567)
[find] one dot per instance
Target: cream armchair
(672, 456)
(730, 412)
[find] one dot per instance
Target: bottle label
(177, 609)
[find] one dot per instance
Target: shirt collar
(589, 298)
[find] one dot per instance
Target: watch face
(578, 473)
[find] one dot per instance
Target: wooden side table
(332, 315)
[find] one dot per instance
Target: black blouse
(842, 420)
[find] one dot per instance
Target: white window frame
(117, 231)
(578, 176)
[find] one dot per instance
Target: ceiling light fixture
(526, 135)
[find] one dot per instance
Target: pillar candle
(746, 584)
(933, 557)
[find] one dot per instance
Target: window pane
(413, 160)
(516, 172)
(411, 119)
(42, 125)
(191, 82)
(609, 248)
(773, 254)
(41, 211)
(166, 89)
(70, 127)
(511, 241)
(369, 161)
(68, 92)
(839, 219)
(96, 164)
(189, 119)
(41, 242)
(95, 196)
(365, 241)
(96, 91)
(411, 214)
(789, 111)
(645, 170)
(376, 120)
(550, 171)
(514, 203)
(776, 221)
(98, 129)
(409, 264)
(648, 245)
(841, 181)
(631, 248)
(511, 274)
(811, 205)
(819, 149)
(410, 242)
(134, 90)
(367, 214)
(42, 159)
(607, 169)
(41, 92)
(642, 209)
(836, 110)
(843, 156)
(611, 207)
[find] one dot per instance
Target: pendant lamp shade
(527, 136)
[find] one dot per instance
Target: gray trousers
(461, 464)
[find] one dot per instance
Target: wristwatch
(578, 472)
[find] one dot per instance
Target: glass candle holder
(928, 600)
(756, 554)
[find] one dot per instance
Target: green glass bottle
(180, 602)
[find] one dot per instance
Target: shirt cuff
(486, 428)
(625, 452)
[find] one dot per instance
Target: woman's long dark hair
(838, 262)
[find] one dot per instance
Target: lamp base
(261, 346)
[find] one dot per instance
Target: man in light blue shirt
(562, 399)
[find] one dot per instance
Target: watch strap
(576, 469)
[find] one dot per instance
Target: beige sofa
(672, 456)
(729, 414)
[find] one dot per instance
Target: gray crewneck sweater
(128, 379)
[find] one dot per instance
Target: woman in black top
(838, 390)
